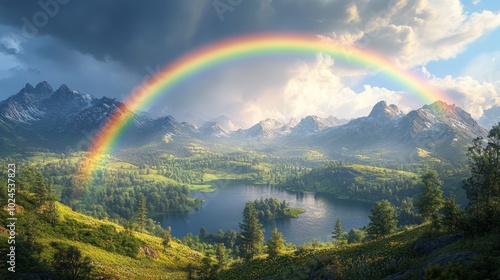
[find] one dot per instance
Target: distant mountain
(24, 107)
(377, 126)
(269, 128)
(383, 111)
(310, 125)
(439, 129)
(213, 129)
(228, 124)
(57, 119)
(333, 121)
(29, 117)
(41, 117)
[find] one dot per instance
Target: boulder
(148, 251)
(430, 245)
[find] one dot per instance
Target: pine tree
(51, 211)
(275, 244)
(382, 219)
(129, 228)
(221, 255)
(407, 214)
(70, 264)
(203, 233)
(252, 234)
(451, 214)
(31, 230)
(40, 189)
(338, 231)
(431, 196)
(483, 185)
(166, 236)
(355, 236)
(141, 214)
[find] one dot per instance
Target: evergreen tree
(191, 269)
(51, 211)
(275, 244)
(436, 222)
(207, 269)
(40, 189)
(203, 233)
(483, 185)
(451, 214)
(31, 232)
(338, 231)
(382, 219)
(166, 236)
(252, 234)
(129, 228)
(407, 214)
(70, 264)
(142, 211)
(431, 195)
(221, 255)
(355, 236)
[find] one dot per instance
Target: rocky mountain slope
(59, 119)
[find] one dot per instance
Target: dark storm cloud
(132, 32)
(147, 33)
(140, 34)
(8, 50)
(109, 47)
(135, 33)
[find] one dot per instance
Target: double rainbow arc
(237, 48)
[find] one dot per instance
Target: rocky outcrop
(148, 251)
(430, 245)
(464, 258)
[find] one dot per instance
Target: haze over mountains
(59, 119)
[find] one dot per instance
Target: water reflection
(223, 210)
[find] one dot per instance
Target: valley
(180, 197)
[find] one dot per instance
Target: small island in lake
(273, 209)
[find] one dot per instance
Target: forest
(121, 223)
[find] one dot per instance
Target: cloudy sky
(107, 48)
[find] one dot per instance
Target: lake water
(223, 209)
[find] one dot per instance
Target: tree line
(482, 212)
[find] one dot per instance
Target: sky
(108, 48)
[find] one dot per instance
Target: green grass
(122, 165)
(201, 187)
(214, 175)
(368, 169)
(371, 259)
(158, 178)
(294, 212)
(171, 263)
(374, 260)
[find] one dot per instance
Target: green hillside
(357, 182)
(114, 252)
(469, 258)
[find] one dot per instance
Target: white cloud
(276, 89)
(352, 14)
(472, 95)
(315, 89)
(415, 31)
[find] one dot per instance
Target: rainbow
(244, 47)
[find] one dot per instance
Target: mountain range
(41, 117)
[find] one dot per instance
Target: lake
(223, 209)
